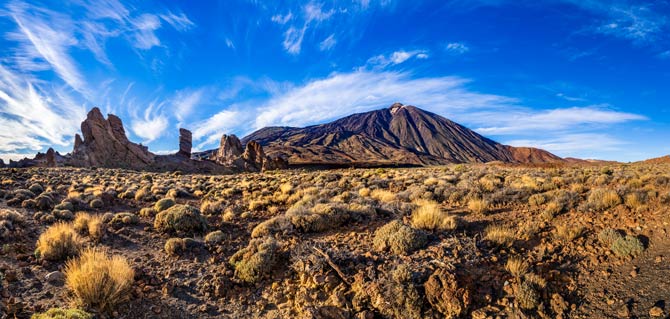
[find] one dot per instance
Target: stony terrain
(480, 241)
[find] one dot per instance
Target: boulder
(273, 163)
(105, 144)
(185, 142)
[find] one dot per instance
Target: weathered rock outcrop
(105, 144)
(230, 149)
(2, 163)
(51, 158)
(253, 159)
(185, 142)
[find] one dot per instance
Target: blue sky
(588, 79)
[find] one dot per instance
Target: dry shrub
(566, 232)
(178, 246)
(164, 204)
(517, 267)
(608, 235)
(393, 295)
(209, 207)
(383, 196)
(500, 234)
(9, 220)
(527, 295)
(537, 200)
(478, 205)
(99, 281)
(399, 238)
(92, 226)
(627, 246)
(60, 313)
(430, 216)
(215, 237)
(180, 219)
(602, 199)
(58, 242)
(256, 260)
(445, 295)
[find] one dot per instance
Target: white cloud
(293, 39)
(145, 25)
(185, 101)
(211, 130)
(230, 44)
(345, 93)
(457, 48)
(328, 43)
(178, 21)
(525, 121)
(34, 117)
(151, 124)
(38, 39)
(381, 61)
(282, 19)
(312, 14)
(586, 144)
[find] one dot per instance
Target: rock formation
(253, 159)
(230, 149)
(185, 142)
(105, 144)
(2, 163)
(51, 158)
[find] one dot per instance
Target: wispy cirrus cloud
(573, 144)
(398, 57)
(328, 43)
(312, 14)
(345, 93)
(151, 123)
(528, 120)
(35, 115)
(456, 48)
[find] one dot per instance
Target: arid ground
(456, 241)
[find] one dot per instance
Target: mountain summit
(400, 134)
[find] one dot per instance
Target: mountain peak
(409, 136)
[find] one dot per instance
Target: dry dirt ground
(480, 241)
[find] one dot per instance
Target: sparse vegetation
(398, 238)
(99, 281)
(58, 242)
(430, 216)
(255, 261)
(180, 219)
(60, 313)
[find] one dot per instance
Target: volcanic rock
(253, 156)
(398, 135)
(230, 149)
(105, 144)
(51, 158)
(185, 142)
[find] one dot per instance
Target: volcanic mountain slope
(401, 134)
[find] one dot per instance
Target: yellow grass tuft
(430, 216)
(99, 281)
(58, 242)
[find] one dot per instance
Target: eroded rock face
(185, 142)
(105, 144)
(51, 158)
(230, 149)
(252, 159)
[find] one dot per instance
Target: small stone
(656, 311)
(658, 259)
(634, 272)
(623, 311)
(156, 309)
(55, 278)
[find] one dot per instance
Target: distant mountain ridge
(400, 134)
